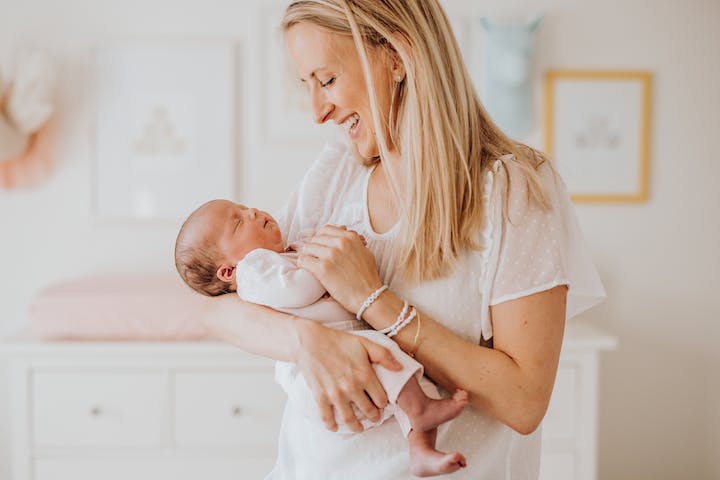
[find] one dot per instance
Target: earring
(398, 78)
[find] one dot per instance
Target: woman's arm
(511, 381)
(335, 364)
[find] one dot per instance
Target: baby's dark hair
(196, 262)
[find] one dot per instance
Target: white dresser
(191, 411)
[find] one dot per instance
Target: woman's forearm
(514, 388)
(253, 328)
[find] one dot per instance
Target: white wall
(660, 389)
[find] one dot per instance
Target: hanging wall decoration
(507, 73)
(27, 106)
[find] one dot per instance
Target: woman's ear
(400, 54)
(226, 273)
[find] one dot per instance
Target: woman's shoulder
(512, 180)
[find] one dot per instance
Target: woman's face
(330, 67)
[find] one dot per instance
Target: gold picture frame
(597, 127)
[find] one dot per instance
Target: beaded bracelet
(403, 324)
(373, 296)
(398, 321)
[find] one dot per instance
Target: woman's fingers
(381, 355)
(327, 413)
(337, 367)
(344, 410)
(366, 406)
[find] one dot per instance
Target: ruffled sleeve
(312, 204)
(31, 80)
(532, 249)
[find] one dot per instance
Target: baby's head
(215, 237)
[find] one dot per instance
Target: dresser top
(578, 337)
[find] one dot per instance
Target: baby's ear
(226, 273)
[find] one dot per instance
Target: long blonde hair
(444, 135)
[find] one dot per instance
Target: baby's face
(241, 229)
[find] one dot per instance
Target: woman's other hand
(339, 258)
(338, 369)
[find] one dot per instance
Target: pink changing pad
(119, 307)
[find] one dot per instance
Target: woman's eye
(328, 83)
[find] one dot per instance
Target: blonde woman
(470, 229)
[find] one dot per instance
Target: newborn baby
(225, 247)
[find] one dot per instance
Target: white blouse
(527, 250)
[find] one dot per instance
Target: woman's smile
(331, 68)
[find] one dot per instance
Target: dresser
(190, 411)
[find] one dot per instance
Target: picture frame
(164, 130)
(597, 128)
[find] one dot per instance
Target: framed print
(165, 127)
(597, 128)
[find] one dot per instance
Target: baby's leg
(426, 413)
(425, 461)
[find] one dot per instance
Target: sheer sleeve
(312, 204)
(537, 249)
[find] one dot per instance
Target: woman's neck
(381, 202)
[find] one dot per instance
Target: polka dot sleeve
(540, 249)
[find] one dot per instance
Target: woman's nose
(321, 107)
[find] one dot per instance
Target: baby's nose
(252, 212)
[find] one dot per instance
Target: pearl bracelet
(403, 324)
(398, 321)
(373, 296)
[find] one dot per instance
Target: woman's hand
(339, 258)
(338, 369)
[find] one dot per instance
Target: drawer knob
(236, 411)
(96, 411)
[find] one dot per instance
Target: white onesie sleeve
(274, 280)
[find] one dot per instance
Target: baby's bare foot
(428, 463)
(432, 413)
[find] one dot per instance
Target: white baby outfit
(526, 250)
(274, 280)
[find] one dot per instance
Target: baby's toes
(460, 396)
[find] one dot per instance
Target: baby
(225, 247)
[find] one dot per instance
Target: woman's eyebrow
(313, 74)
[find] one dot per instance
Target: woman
(471, 228)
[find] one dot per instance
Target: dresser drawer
(152, 468)
(239, 408)
(99, 408)
(561, 418)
